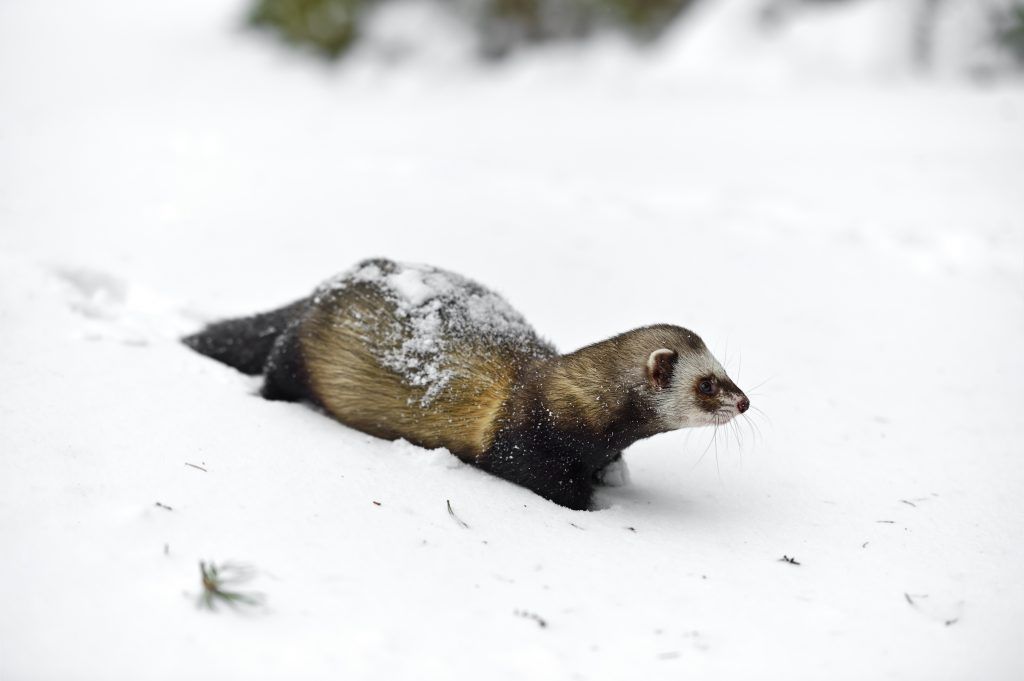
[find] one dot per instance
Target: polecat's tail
(246, 342)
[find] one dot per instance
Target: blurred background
(976, 38)
(319, 131)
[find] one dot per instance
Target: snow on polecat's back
(414, 351)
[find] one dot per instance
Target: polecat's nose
(743, 405)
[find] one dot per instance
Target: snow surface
(853, 253)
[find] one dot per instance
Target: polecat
(415, 352)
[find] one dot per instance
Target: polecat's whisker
(755, 432)
(704, 453)
(751, 391)
(718, 465)
(739, 440)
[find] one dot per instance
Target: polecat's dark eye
(706, 387)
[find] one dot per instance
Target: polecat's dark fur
(414, 352)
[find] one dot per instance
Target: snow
(851, 249)
(411, 284)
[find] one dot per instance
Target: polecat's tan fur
(347, 379)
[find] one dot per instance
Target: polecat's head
(690, 388)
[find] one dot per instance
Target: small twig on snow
(456, 518)
(541, 622)
(910, 599)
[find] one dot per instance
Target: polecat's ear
(659, 367)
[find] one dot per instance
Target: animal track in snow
(113, 310)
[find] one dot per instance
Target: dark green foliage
(331, 26)
(328, 26)
(1010, 30)
(645, 18)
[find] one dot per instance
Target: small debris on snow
(163, 506)
(455, 517)
(195, 466)
(910, 599)
(376, 503)
(789, 559)
(214, 580)
(541, 622)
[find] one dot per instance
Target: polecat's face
(692, 389)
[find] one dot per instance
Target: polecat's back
(415, 352)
